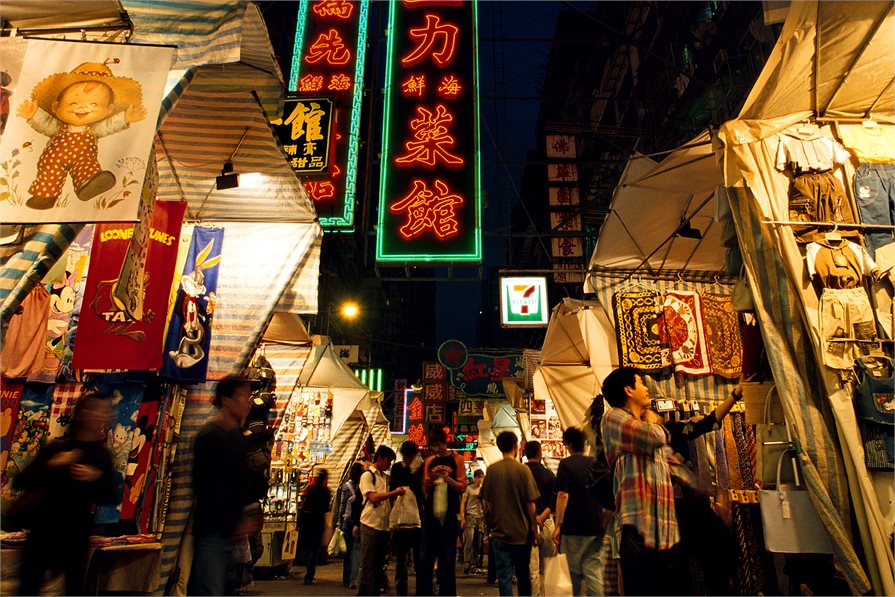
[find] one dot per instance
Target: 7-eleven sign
(523, 302)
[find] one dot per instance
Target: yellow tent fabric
(833, 59)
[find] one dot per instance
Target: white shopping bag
(557, 580)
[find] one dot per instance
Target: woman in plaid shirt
(637, 447)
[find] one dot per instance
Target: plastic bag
(440, 500)
(337, 545)
(405, 512)
(557, 579)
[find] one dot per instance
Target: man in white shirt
(374, 521)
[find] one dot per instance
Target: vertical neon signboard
(429, 197)
(328, 61)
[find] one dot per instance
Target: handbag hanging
(773, 440)
(741, 298)
(790, 522)
(875, 395)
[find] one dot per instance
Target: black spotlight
(686, 230)
(228, 178)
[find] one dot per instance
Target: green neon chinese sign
(430, 183)
(328, 60)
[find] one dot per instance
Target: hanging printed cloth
(31, 430)
(65, 397)
(126, 398)
(637, 322)
(683, 332)
(109, 337)
(144, 437)
(66, 295)
(10, 398)
(189, 334)
(722, 333)
(23, 353)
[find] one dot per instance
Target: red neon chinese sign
(429, 210)
(431, 140)
(339, 9)
(435, 39)
(330, 47)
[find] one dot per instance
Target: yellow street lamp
(349, 310)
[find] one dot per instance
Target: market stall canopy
(832, 59)
(325, 369)
(650, 204)
(578, 352)
(209, 127)
(64, 14)
(286, 328)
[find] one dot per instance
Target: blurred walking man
(580, 520)
(509, 493)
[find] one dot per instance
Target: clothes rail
(831, 225)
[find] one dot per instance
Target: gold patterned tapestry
(637, 323)
(722, 331)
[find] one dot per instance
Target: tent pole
(879, 97)
(816, 56)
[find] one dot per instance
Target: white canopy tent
(679, 189)
(578, 352)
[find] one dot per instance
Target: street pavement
(329, 582)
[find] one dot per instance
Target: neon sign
(429, 198)
(328, 59)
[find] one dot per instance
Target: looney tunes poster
(108, 336)
(189, 335)
(80, 130)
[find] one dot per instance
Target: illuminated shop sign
(306, 134)
(328, 62)
(523, 302)
(429, 199)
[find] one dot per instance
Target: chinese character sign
(429, 201)
(482, 374)
(327, 82)
(306, 134)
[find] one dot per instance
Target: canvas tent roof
(325, 369)
(286, 328)
(833, 59)
(578, 352)
(681, 186)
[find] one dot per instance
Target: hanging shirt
(871, 145)
(23, 348)
(839, 264)
(809, 153)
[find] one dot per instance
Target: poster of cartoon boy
(75, 109)
(80, 134)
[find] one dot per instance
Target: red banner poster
(138, 460)
(108, 336)
(11, 395)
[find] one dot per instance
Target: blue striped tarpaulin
(258, 262)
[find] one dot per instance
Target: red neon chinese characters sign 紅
(432, 140)
(428, 209)
(330, 47)
(435, 39)
(340, 9)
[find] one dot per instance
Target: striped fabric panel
(287, 361)
(178, 81)
(301, 293)
(204, 31)
(258, 261)
(256, 49)
(207, 117)
(23, 265)
(347, 445)
(678, 387)
(798, 381)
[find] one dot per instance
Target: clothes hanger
(870, 123)
(833, 235)
(806, 128)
